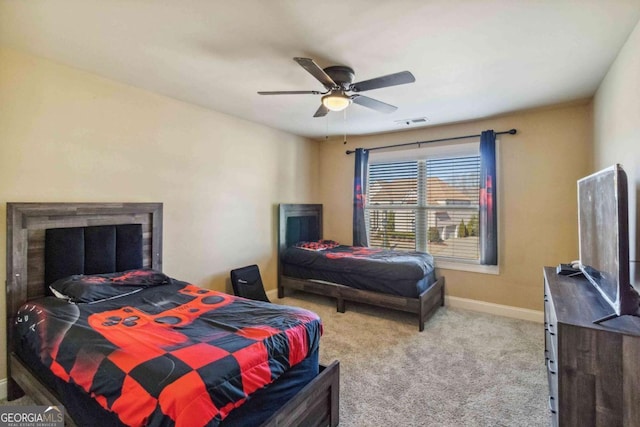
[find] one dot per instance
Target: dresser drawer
(550, 326)
(550, 342)
(553, 411)
(552, 377)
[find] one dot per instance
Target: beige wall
(616, 135)
(538, 169)
(66, 135)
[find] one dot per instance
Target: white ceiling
(471, 59)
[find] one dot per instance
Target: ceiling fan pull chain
(327, 131)
(345, 127)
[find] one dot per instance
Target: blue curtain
(359, 194)
(488, 199)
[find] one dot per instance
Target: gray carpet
(464, 369)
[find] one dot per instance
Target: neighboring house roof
(403, 191)
(397, 191)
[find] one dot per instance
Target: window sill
(473, 268)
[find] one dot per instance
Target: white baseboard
(497, 309)
(272, 294)
(3, 389)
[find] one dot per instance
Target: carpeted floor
(464, 369)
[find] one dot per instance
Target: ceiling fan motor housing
(341, 74)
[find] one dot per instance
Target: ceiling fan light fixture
(336, 101)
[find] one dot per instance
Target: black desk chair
(247, 283)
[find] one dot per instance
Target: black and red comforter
(392, 272)
(169, 354)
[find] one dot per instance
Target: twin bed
(136, 347)
(93, 325)
(391, 279)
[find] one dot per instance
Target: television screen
(603, 234)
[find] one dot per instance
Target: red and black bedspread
(392, 272)
(167, 352)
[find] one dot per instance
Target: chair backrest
(247, 283)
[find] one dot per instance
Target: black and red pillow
(82, 288)
(319, 245)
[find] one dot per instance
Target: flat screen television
(604, 237)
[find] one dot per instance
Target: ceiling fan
(337, 81)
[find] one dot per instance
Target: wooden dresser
(593, 370)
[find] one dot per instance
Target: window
(429, 203)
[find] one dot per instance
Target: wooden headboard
(299, 222)
(26, 225)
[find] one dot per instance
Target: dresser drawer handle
(549, 363)
(551, 408)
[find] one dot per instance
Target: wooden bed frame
(424, 305)
(317, 404)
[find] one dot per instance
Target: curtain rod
(510, 132)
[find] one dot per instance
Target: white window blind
(426, 205)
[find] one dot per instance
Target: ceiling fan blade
(322, 111)
(317, 72)
(400, 78)
(374, 104)
(290, 92)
